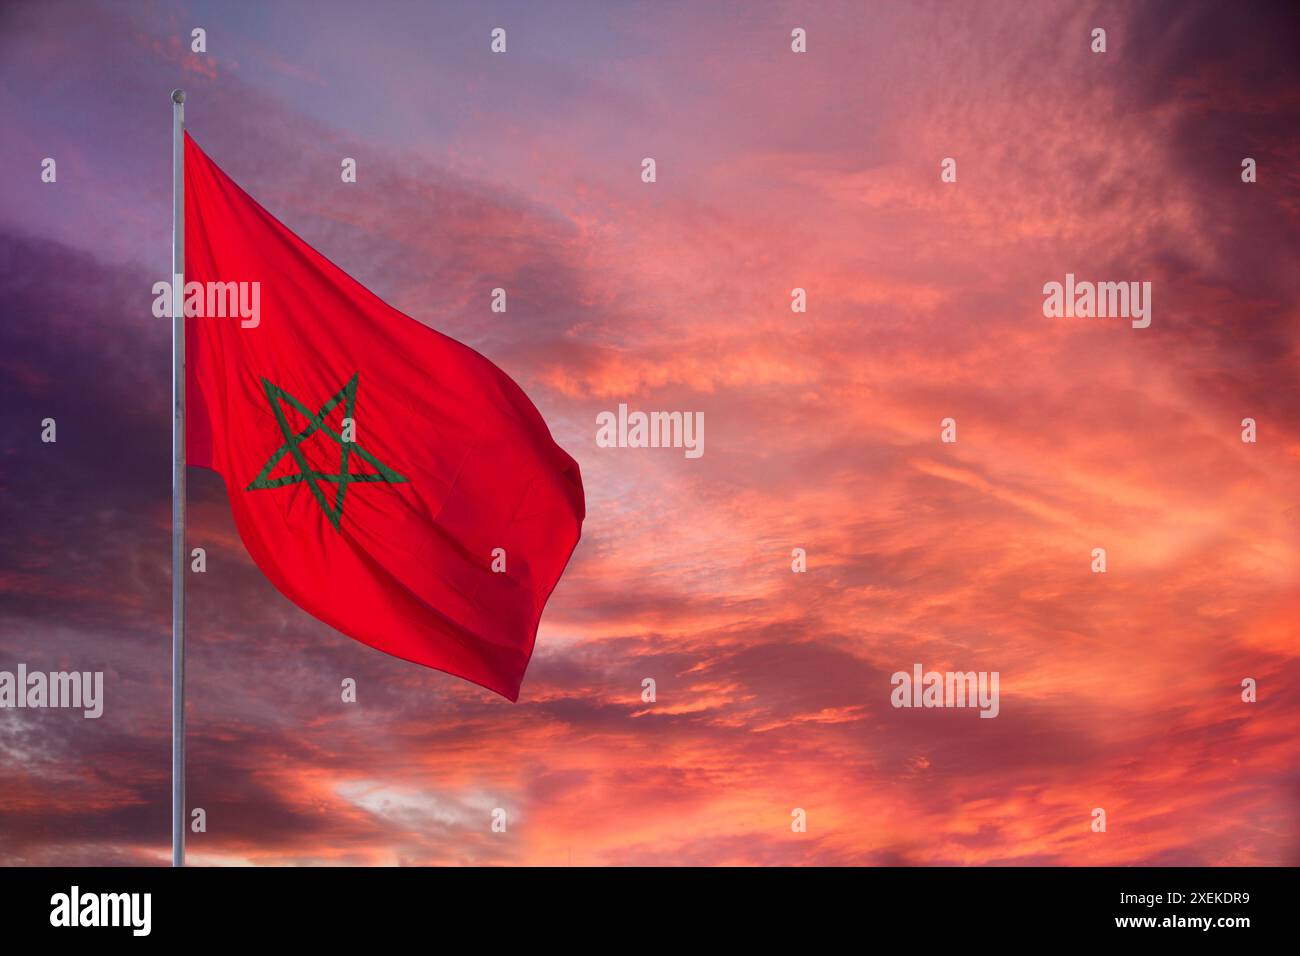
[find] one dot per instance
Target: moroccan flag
(388, 480)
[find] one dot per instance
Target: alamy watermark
(75, 908)
(216, 300)
(651, 430)
(82, 690)
(1098, 300)
(946, 689)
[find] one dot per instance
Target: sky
(775, 170)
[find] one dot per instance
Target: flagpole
(178, 478)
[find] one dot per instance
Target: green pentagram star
(293, 442)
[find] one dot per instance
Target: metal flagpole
(178, 478)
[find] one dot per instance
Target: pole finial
(178, 96)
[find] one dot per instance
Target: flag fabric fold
(387, 479)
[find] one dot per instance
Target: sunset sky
(775, 170)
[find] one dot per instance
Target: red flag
(388, 480)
